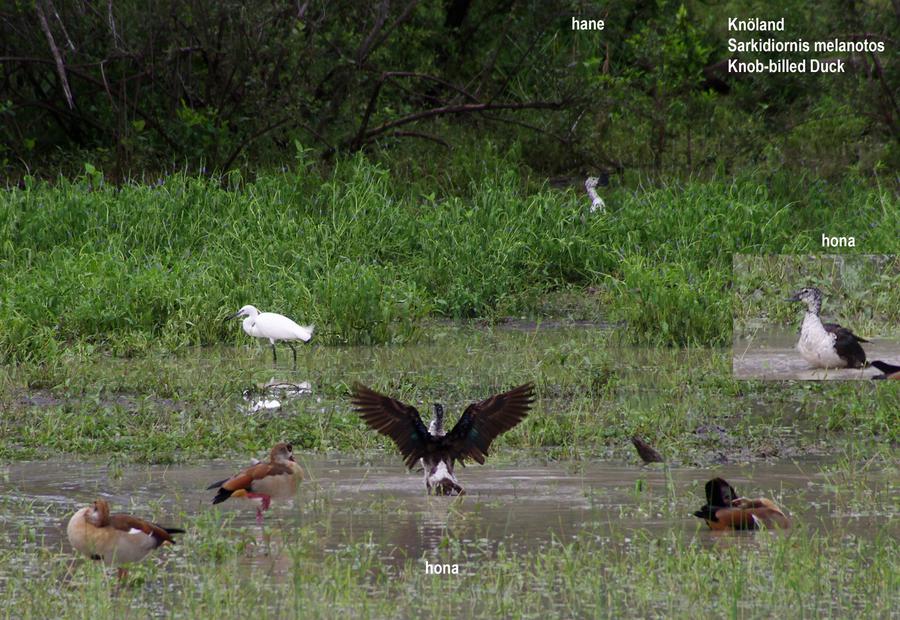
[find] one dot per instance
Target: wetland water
(561, 511)
(525, 508)
(771, 354)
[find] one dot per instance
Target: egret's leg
(274, 357)
(294, 351)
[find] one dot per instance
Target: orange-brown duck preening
(890, 370)
(437, 449)
(116, 539)
(276, 478)
(724, 510)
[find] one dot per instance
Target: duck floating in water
(115, 539)
(826, 345)
(890, 370)
(437, 449)
(724, 510)
(262, 482)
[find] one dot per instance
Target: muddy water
(525, 508)
(771, 354)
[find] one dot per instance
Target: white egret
(274, 327)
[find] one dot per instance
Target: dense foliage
(132, 88)
(365, 258)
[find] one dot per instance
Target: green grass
(367, 257)
(860, 290)
(804, 573)
(593, 394)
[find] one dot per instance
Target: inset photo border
(815, 317)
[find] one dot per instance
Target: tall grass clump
(365, 255)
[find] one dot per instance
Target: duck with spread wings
(437, 449)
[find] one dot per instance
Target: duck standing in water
(724, 510)
(437, 449)
(276, 478)
(116, 539)
(826, 345)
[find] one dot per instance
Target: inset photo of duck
(816, 317)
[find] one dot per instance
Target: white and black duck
(437, 449)
(826, 345)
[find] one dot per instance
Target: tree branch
(60, 65)
(466, 108)
(416, 134)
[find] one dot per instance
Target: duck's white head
(811, 296)
(247, 310)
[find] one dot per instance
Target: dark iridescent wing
(482, 422)
(834, 328)
(846, 344)
(390, 417)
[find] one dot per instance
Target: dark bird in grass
(646, 451)
(890, 371)
(437, 449)
(725, 510)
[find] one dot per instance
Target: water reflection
(521, 508)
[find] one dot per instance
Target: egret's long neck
(248, 324)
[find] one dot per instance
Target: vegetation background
(384, 169)
(365, 167)
(858, 289)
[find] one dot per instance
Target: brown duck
(724, 510)
(115, 539)
(262, 482)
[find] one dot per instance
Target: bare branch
(466, 108)
(417, 134)
(368, 43)
(60, 65)
(379, 40)
(61, 25)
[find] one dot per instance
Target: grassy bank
(366, 257)
(593, 394)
